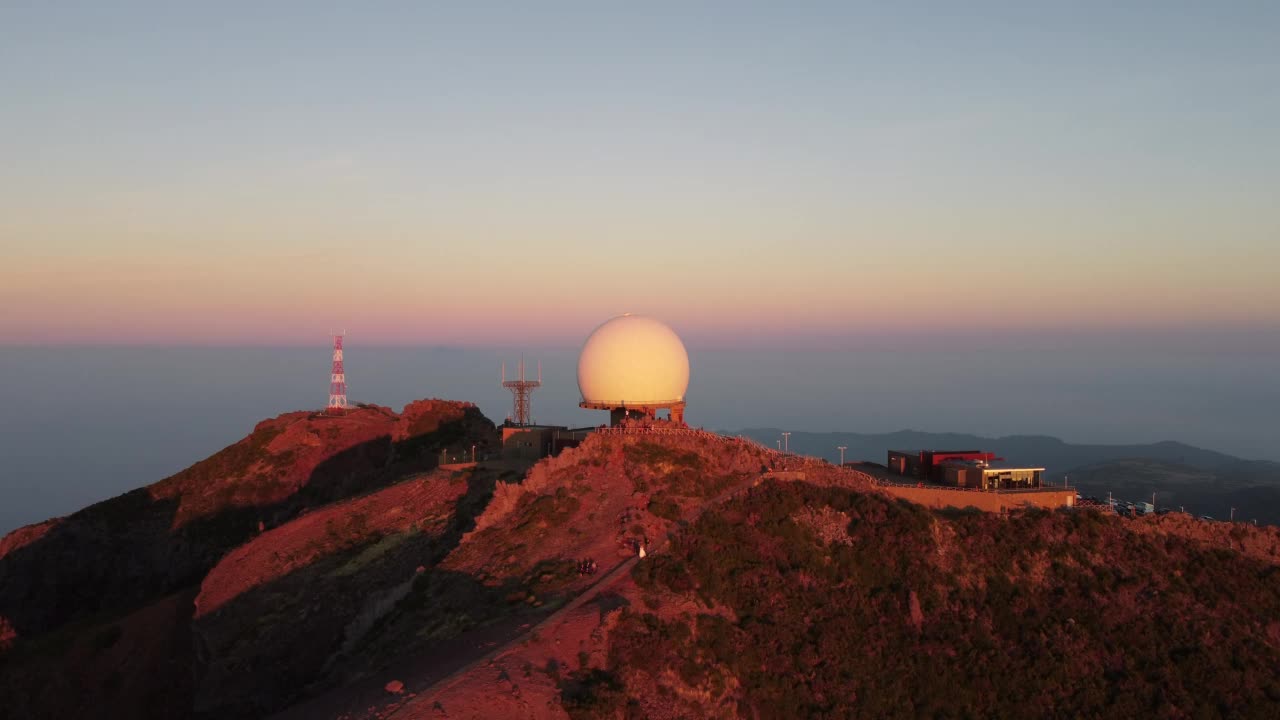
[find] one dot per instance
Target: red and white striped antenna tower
(521, 389)
(337, 379)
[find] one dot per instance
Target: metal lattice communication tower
(337, 380)
(521, 389)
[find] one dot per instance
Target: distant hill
(1252, 488)
(1051, 453)
(1204, 481)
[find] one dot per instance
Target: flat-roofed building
(982, 476)
(926, 464)
(538, 441)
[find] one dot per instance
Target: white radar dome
(633, 360)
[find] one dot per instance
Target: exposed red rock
(284, 454)
(26, 535)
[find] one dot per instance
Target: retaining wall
(988, 501)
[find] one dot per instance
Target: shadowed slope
(123, 554)
(277, 611)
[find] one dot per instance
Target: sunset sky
(472, 173)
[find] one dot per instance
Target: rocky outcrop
(155, 540)
(16, 540)
(24, 536)
(113, 557)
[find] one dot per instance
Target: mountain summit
(331, 568)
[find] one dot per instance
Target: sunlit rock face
(633, 360)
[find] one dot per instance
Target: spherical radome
(633, 360)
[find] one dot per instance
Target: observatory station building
(634, 366)
(964, 469)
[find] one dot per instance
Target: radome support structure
(521, 389)
(337, 380)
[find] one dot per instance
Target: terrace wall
(936, 497)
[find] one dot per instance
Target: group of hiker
(638, 546)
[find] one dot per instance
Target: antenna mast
(521, 389)
(337, 380)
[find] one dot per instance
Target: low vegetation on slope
(278, 610)
(825, 602)
(592, 502)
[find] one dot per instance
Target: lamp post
(842, 448)
(473, 453)
(786, 442)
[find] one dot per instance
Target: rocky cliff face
(60, 578)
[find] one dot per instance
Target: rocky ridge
(773, 587)
(69, 586)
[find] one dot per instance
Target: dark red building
(927, 464)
